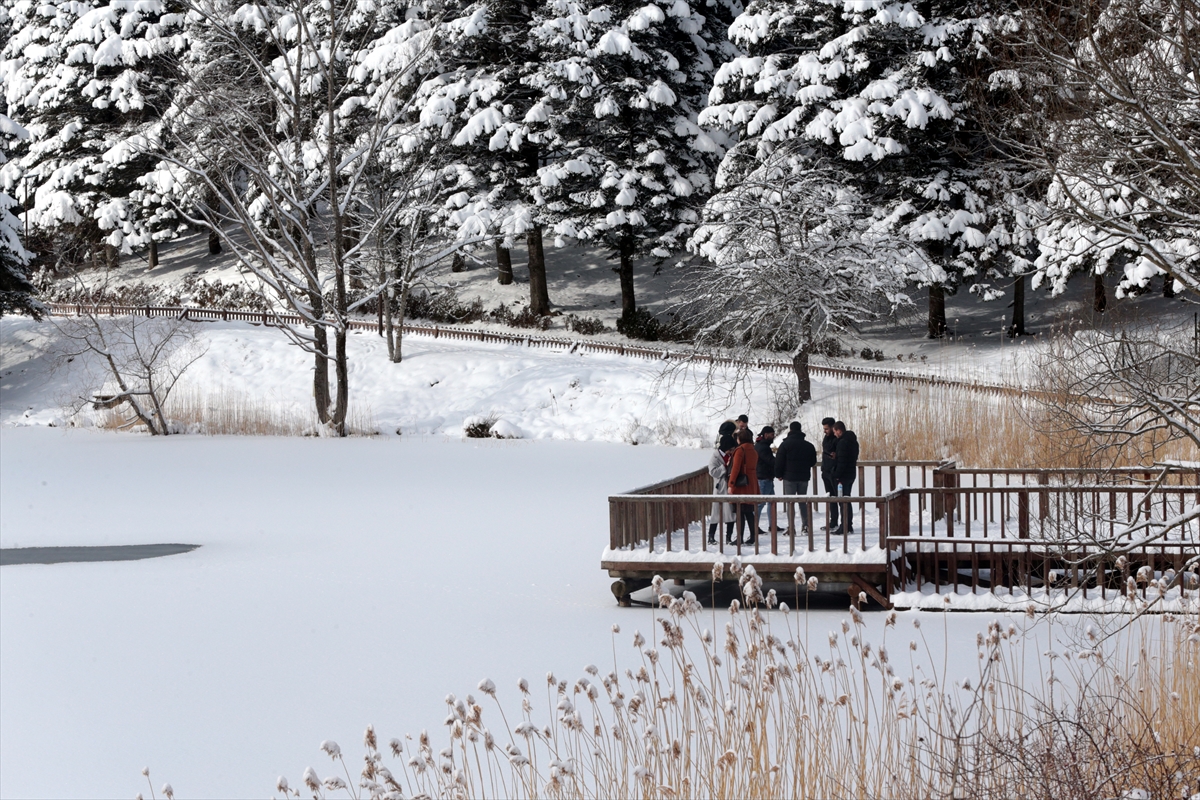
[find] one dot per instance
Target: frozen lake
(338, 583)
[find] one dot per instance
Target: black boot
(712, 533)
(729, 533)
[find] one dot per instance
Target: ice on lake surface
(339, 584)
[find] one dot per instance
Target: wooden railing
(1017, 526)
(867, 374)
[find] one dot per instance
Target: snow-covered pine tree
(622, 85)
(487, 116)
(879, 91)
(16, 292)
(89, 80)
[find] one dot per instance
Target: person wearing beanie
(794, 462)
(718, 468)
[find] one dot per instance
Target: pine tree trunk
(214, 243)
(937, 311)
(112, 256)
(1099, 294)
(504, 273)
(625, 270)
(539, 297)
(1018, 316)
(153, 254)
(1169, 286)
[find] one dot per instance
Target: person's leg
(764, 487)
(847, 509)
(792, 488)
(747, 517)
(832, 513)
(802, 489)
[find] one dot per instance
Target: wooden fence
(866, 374)
(1003, 528)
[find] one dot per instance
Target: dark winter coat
(795, 459)
(828, 446)
(745, 462)
(845, 467)
(766, 460)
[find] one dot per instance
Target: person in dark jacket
(742, 471)
(828, 449)
(766, 469)
(845, 469)
(794, 462)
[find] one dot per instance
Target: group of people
(742, 464)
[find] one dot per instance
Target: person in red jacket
(743, 479)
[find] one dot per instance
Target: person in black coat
(828, 450)
(845, 469)
(766, 468)
(794, 462)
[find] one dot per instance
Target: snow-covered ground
(541, 393)
(581, 281)
(338, 583)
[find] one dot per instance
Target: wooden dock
(923, 532)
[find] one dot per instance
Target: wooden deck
(923, 529)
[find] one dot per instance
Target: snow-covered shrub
(478, 427)
(490, 427)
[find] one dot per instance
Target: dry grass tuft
(229, 412)
(767, 711)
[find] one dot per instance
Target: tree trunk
(625, 271)
(112, 256)
(153, 254)
(539, 297)
(321, 374)
(341, 365)
(458, 263)
(1099, 294)
(937, 311)
(1018, 316)
(396, 352)
(1169, 286)
(803, 380)
(504, 273)
(214, 243)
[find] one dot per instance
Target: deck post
(1023, 513)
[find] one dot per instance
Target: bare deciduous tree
(783, 262)
(1107, 95)
(133, 363)
(294, 108)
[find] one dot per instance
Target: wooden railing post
(1023, 513)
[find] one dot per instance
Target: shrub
(444, 307)
(523, 318)
(586, 326)
(478, 427)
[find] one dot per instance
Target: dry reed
(230, 412)
(978, 430)
(766, 710)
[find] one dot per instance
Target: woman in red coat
(743, 479)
